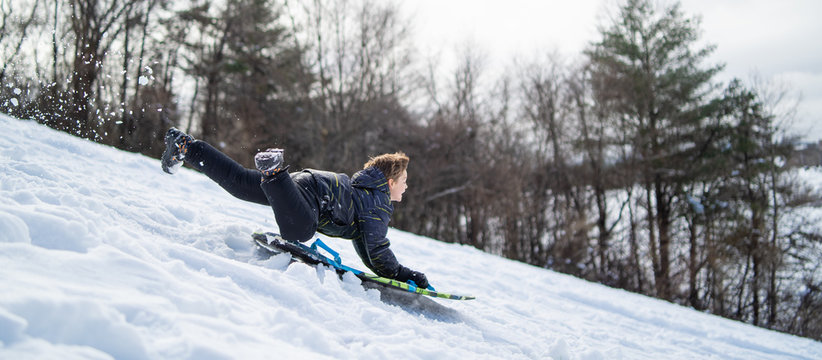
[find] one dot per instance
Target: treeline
(630, 165)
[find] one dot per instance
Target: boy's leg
(230, 175)
(295, 216)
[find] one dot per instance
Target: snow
(104, 256)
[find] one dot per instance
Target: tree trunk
(663, 216)
(85, 74)
(693, 265)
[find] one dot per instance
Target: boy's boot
(177, 143)
(269, 162)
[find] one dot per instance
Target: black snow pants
(291, 196)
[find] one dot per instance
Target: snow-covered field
(102, 255)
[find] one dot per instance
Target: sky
(104, 256)
(776, 41)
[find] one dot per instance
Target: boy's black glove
(417, 277)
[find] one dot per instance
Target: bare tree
(360, 51)
(95, 25)
(13, 25)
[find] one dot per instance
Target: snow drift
(104, 256)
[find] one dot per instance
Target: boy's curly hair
(391, 165)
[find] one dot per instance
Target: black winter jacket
(358, 209)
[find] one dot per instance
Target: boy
(311, 201)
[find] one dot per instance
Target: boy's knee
(298, 233)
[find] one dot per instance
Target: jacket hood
(372, 179)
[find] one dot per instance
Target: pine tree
(247, 68)
(646, 68)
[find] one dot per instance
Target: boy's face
(398, 186)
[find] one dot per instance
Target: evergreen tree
(246, 68)
(645, 66)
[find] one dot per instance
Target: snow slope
(102, 255)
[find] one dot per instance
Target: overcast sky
(778, 40)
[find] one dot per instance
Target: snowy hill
(102, 255)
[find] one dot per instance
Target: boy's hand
(419, 279)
